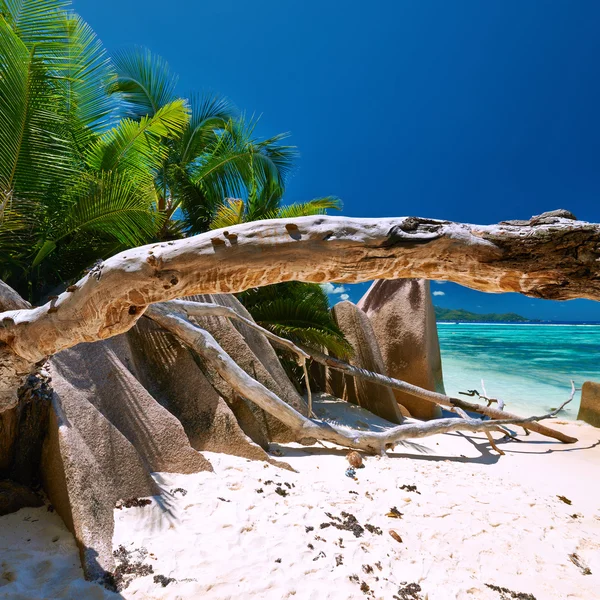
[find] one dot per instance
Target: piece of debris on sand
(355, 459)
(127, 568)
(132, 502)
(396, 536)
(348, 522)
(576, 560)
(506, 594)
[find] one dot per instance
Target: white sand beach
(475, 518)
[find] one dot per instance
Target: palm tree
(71, 190)
(216, 156)
(99, 155)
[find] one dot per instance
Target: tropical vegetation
(99, 153)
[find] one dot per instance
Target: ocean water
(529, 366)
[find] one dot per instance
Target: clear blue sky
(473, 110)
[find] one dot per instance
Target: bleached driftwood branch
(206, 346)
(551, 256)
(209, 309)
(488, 434)
(204, 309)
(435, 397)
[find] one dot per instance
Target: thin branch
(208, 309)
(484, 396)
(464, 415)
(493, 443)
(378, 442)
(435, 397)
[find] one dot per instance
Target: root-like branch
(377, 442)
(206, 309)
(485, 396)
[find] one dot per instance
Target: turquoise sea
(529, 366)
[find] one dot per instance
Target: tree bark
(551, 256)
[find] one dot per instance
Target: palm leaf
(297, 311)
(190, 200)
(33, 151)
(317, 206)
(143, 81)
(111, 206)
(208, 113)
(85, 74)
(138, 146)
(35, 22)
(17, 224)
(230, 213)
(235, 164)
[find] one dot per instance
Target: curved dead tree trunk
(550, 256)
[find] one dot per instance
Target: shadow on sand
(415, 451)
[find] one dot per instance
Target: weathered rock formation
(378, 399)
(402, 316)
(173, 375)
(14, 496)
(106, 434)
(589, 409)
(123, 408)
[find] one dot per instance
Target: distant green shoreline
(459, 315)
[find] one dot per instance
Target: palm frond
(317, 206)
(85, 71)
(17, 233)
(230, 213)
(297, 311)
(35, 22)
(208, 113)
(315, 337)
(189, 200)
(144, 82)
(110, 205)
(235, 163)
(137, 146)
(298, 291)
(282, 157)
(33, 150)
